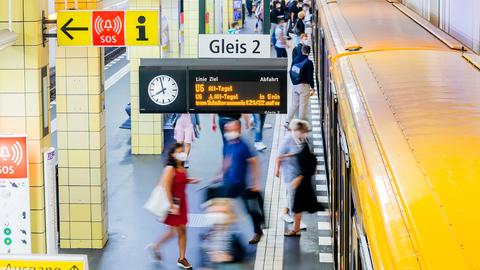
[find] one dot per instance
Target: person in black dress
(305, 199)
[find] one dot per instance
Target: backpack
(291, 5)
(297, 70)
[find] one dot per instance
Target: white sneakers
(303, 226)
(260, 146)
(287, 218)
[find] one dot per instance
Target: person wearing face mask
(287, 167)
(281, 44)
(187, 129)
(238, 159)
(298, 49)
(304, 199)
(308, 15)
(174, 181)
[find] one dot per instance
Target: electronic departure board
(214, 91)
(213, 85)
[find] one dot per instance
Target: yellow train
(401, 123)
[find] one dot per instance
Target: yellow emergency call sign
(104, 28)
(43, 262)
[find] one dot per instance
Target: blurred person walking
(281, 44)
(304, 199)
(238, 159)
(187, 129)
(287, 166)
(174, 180)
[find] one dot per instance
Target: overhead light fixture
(7, 38)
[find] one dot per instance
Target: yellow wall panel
(78, 140)
(38, 243)
(80, 212)
(78, 158)
(80, 194)
(37, 220)
(37, 198)
(13, 81)
(12, 124)
(64, 198)
(80, 230)
(79, 176)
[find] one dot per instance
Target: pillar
(171, 10)
(192, 10)
(25, 99)
(81, 143)
(146, 128)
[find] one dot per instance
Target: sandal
(293, 233)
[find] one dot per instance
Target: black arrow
(65, 28)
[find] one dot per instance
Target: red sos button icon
(108, 28)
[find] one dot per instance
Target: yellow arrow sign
(60, 262)
(74, 28)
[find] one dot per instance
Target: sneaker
(256, 238)
(154, 252)
(183, 263)
(286, 125)
(260, 146)
(303, 226)
(287, 218)
(267, 126)
(186, 164)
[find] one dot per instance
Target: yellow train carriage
(401, 116)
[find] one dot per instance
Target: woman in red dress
(174, 181)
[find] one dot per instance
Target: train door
(344, 201)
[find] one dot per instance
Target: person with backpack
(301, 74)
(305, 199)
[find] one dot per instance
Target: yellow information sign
(74, 28)
(142, 28)
(43, 262)
(104, 28)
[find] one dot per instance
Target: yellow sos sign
(39, 262)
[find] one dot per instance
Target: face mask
(231, 135)
(182, 156)
(279, 6)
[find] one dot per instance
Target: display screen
(237, 91)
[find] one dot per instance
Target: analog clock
(163, 90)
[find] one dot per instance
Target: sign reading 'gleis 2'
(108, 28)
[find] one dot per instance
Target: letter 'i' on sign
(142, 28)
(108, 28)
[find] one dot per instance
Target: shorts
(184, 131)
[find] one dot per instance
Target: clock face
(163, 90)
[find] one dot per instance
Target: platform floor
(131, 179)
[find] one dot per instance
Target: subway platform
(131, 179)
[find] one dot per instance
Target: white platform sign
(49, 175)
(15, 233)
(234, 46)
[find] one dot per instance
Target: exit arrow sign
(65, 29)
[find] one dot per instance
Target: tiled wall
(227, 14)
(191, 29)
(21, 109)
(210, 9)
(81, 144)
(146, 128)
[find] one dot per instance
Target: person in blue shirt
(238, 159)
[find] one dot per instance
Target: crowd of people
(239, 173)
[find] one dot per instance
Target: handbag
(158, 203)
